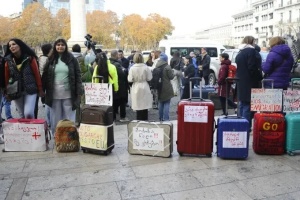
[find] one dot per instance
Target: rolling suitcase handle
(293, 80)
(227, 80)
(99, 77)
(200, 86)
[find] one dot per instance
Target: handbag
(13, 90)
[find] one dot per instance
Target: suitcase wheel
(84, 150)
(181, 154)
(208, 155)
(290, 153)
(3, 150)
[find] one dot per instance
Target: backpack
(157, 73)
(231, 71)
(66, 137)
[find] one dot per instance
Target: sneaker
(124, 119)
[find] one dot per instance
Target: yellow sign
(93, 136)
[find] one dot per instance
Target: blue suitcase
(232, 136)
(292, 132)
(205, 91)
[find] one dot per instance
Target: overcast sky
(188, 16)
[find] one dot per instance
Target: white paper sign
(98, 94)
(291, 100)
(267, 100)
(148, 138)
(24, 137)
(196, 114)
(234, 139)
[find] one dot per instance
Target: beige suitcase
(150, 138)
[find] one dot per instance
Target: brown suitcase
(96, 130)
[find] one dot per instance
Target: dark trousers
(186, 91)
(205, 77)
(223, 104)
(142, 115)
(120, 102)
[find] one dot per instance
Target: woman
(189, 72)
(248, 71)
(150, 60)
(107, 70)
(222, 90)
(62, 82)
(141, 97)
(22, 74)
(278, 64)
(176, 64)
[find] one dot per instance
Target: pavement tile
(271, 185)
(224, 192)
(290, 196)
(88, 192)
(11, 167)
(78, 179)
(155, 197)
(144, 187)
(66, 162)
(172, 167)
(5, 185)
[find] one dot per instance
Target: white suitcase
(150, 138)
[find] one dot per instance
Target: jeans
(1, 107)
(7, 105)
(164, 107)
(26, 105)
(244, 111)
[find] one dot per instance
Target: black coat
(248, 62)
(122, 80)
(205, 62)
(74, 81)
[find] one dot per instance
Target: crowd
(57, 76)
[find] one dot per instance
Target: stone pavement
(50, 175)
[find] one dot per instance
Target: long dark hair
(102, 66)
(54, 56)
(25, 49)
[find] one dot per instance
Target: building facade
(55, 5)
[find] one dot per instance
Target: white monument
(78, 22)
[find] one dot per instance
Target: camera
(89, 43)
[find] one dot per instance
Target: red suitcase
(269, 133)
(195, 125)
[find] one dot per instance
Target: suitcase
(269, 133)
(195, 125)
(292, 129)
(232, 135)
(66, 136)
(25, 135)
(150, 138)
(96, 129)
(204, 91)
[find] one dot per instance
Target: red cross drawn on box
(36, 135)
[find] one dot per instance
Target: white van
(185, 46)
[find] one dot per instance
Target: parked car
(232, 54)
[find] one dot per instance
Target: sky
(187, 16)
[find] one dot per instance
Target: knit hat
(163, 57)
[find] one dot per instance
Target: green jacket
(167, 91)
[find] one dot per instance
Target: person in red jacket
(22, 77)
(223, 73)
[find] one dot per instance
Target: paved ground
(51, 175)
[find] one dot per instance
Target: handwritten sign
(98, 94)
(196, 114)
(148, 138)
(291, 101)
(268, 100)
(234, 139)
(93, 136)
(24, 137)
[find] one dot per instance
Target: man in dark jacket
(125, 61)
(204, 65)
(120, 98)
(248, 64)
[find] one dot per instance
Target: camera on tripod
(89, 42)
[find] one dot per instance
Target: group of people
(252, 69)
(58, 74)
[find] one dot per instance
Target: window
(234, 56)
